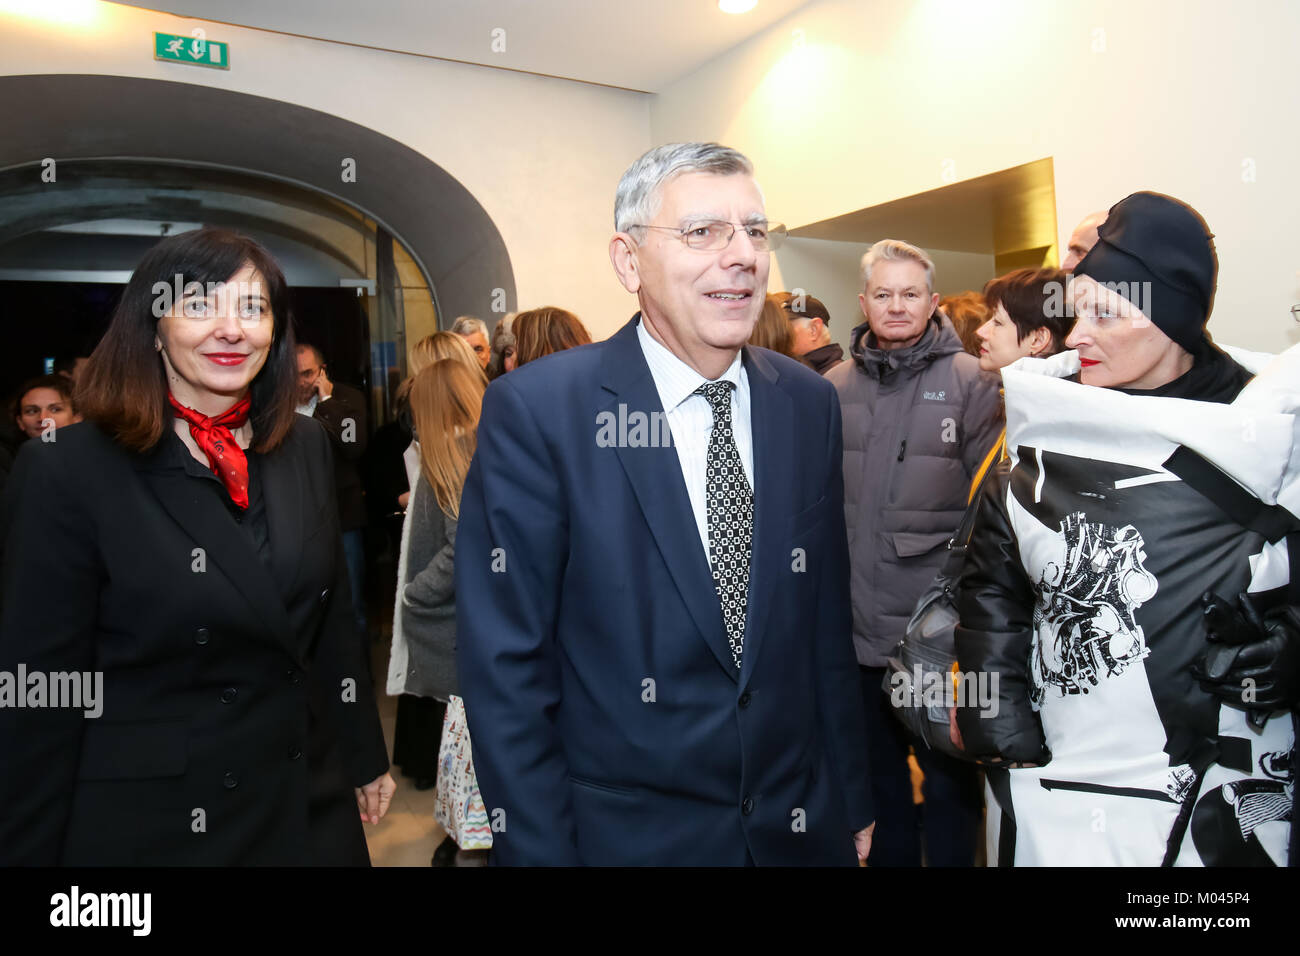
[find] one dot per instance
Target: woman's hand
(954, 732)
(862, 843)
(374, 798)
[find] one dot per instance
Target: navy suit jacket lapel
(771, 417)
(655, 474)
(226, 548)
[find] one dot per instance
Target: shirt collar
(675, 380)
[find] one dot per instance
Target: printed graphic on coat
(1083, 618)
(1180, 781)
(1225, 819)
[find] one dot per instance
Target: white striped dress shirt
(690, 418)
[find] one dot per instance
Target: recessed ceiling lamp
(736, 6)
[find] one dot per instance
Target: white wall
(541, 155)
(827, 271)
(847, 104)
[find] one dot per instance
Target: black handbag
(920, 676)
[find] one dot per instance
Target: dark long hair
(123, 387)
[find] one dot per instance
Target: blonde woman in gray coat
(419, 718)
(445, 401)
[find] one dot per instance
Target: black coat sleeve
(344, 416)
(995, 633)
(52, 577)
(340, 666)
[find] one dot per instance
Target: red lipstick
(226, 358)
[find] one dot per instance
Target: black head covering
(1156, 239)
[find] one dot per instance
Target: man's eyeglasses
(710, 235)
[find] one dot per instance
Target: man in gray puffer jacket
(919, 417)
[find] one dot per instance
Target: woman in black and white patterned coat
(1142, 635)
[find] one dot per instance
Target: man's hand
(324, 387)
(374, 798)
(862, 840)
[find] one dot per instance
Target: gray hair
(636, 201)
(468, 325)
(895, 250)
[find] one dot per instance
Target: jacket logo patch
(934, 396)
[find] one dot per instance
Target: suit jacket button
(201, 636)
(324, 595)
(228, 695)
(294, 753)
(747, 806)
(744, 700)
(292, 676)
(231, 781)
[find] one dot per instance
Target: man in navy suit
(652, 585)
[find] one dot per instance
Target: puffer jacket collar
(938, 339)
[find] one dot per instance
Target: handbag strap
(995, 454)
(951, 567)
(962, 535)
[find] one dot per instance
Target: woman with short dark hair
(200, 596)
(1028, 316)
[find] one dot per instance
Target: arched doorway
(97, 126)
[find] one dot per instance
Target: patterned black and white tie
(730, 507)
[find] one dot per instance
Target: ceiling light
(57, 11)
(736, 6)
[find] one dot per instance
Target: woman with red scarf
(175, 597)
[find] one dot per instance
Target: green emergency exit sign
(193, 50)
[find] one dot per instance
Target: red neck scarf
(216, 437)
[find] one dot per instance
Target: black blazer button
(292, 676)
(324, 595)
(231, 781)
(201, 636)
(747, 806)
(744, 700)
(294, 753)
(228, 695)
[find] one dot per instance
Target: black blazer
(346, 405)
(238, 712)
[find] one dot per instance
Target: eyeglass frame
(774, 229)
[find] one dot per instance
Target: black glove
(1246, 646)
